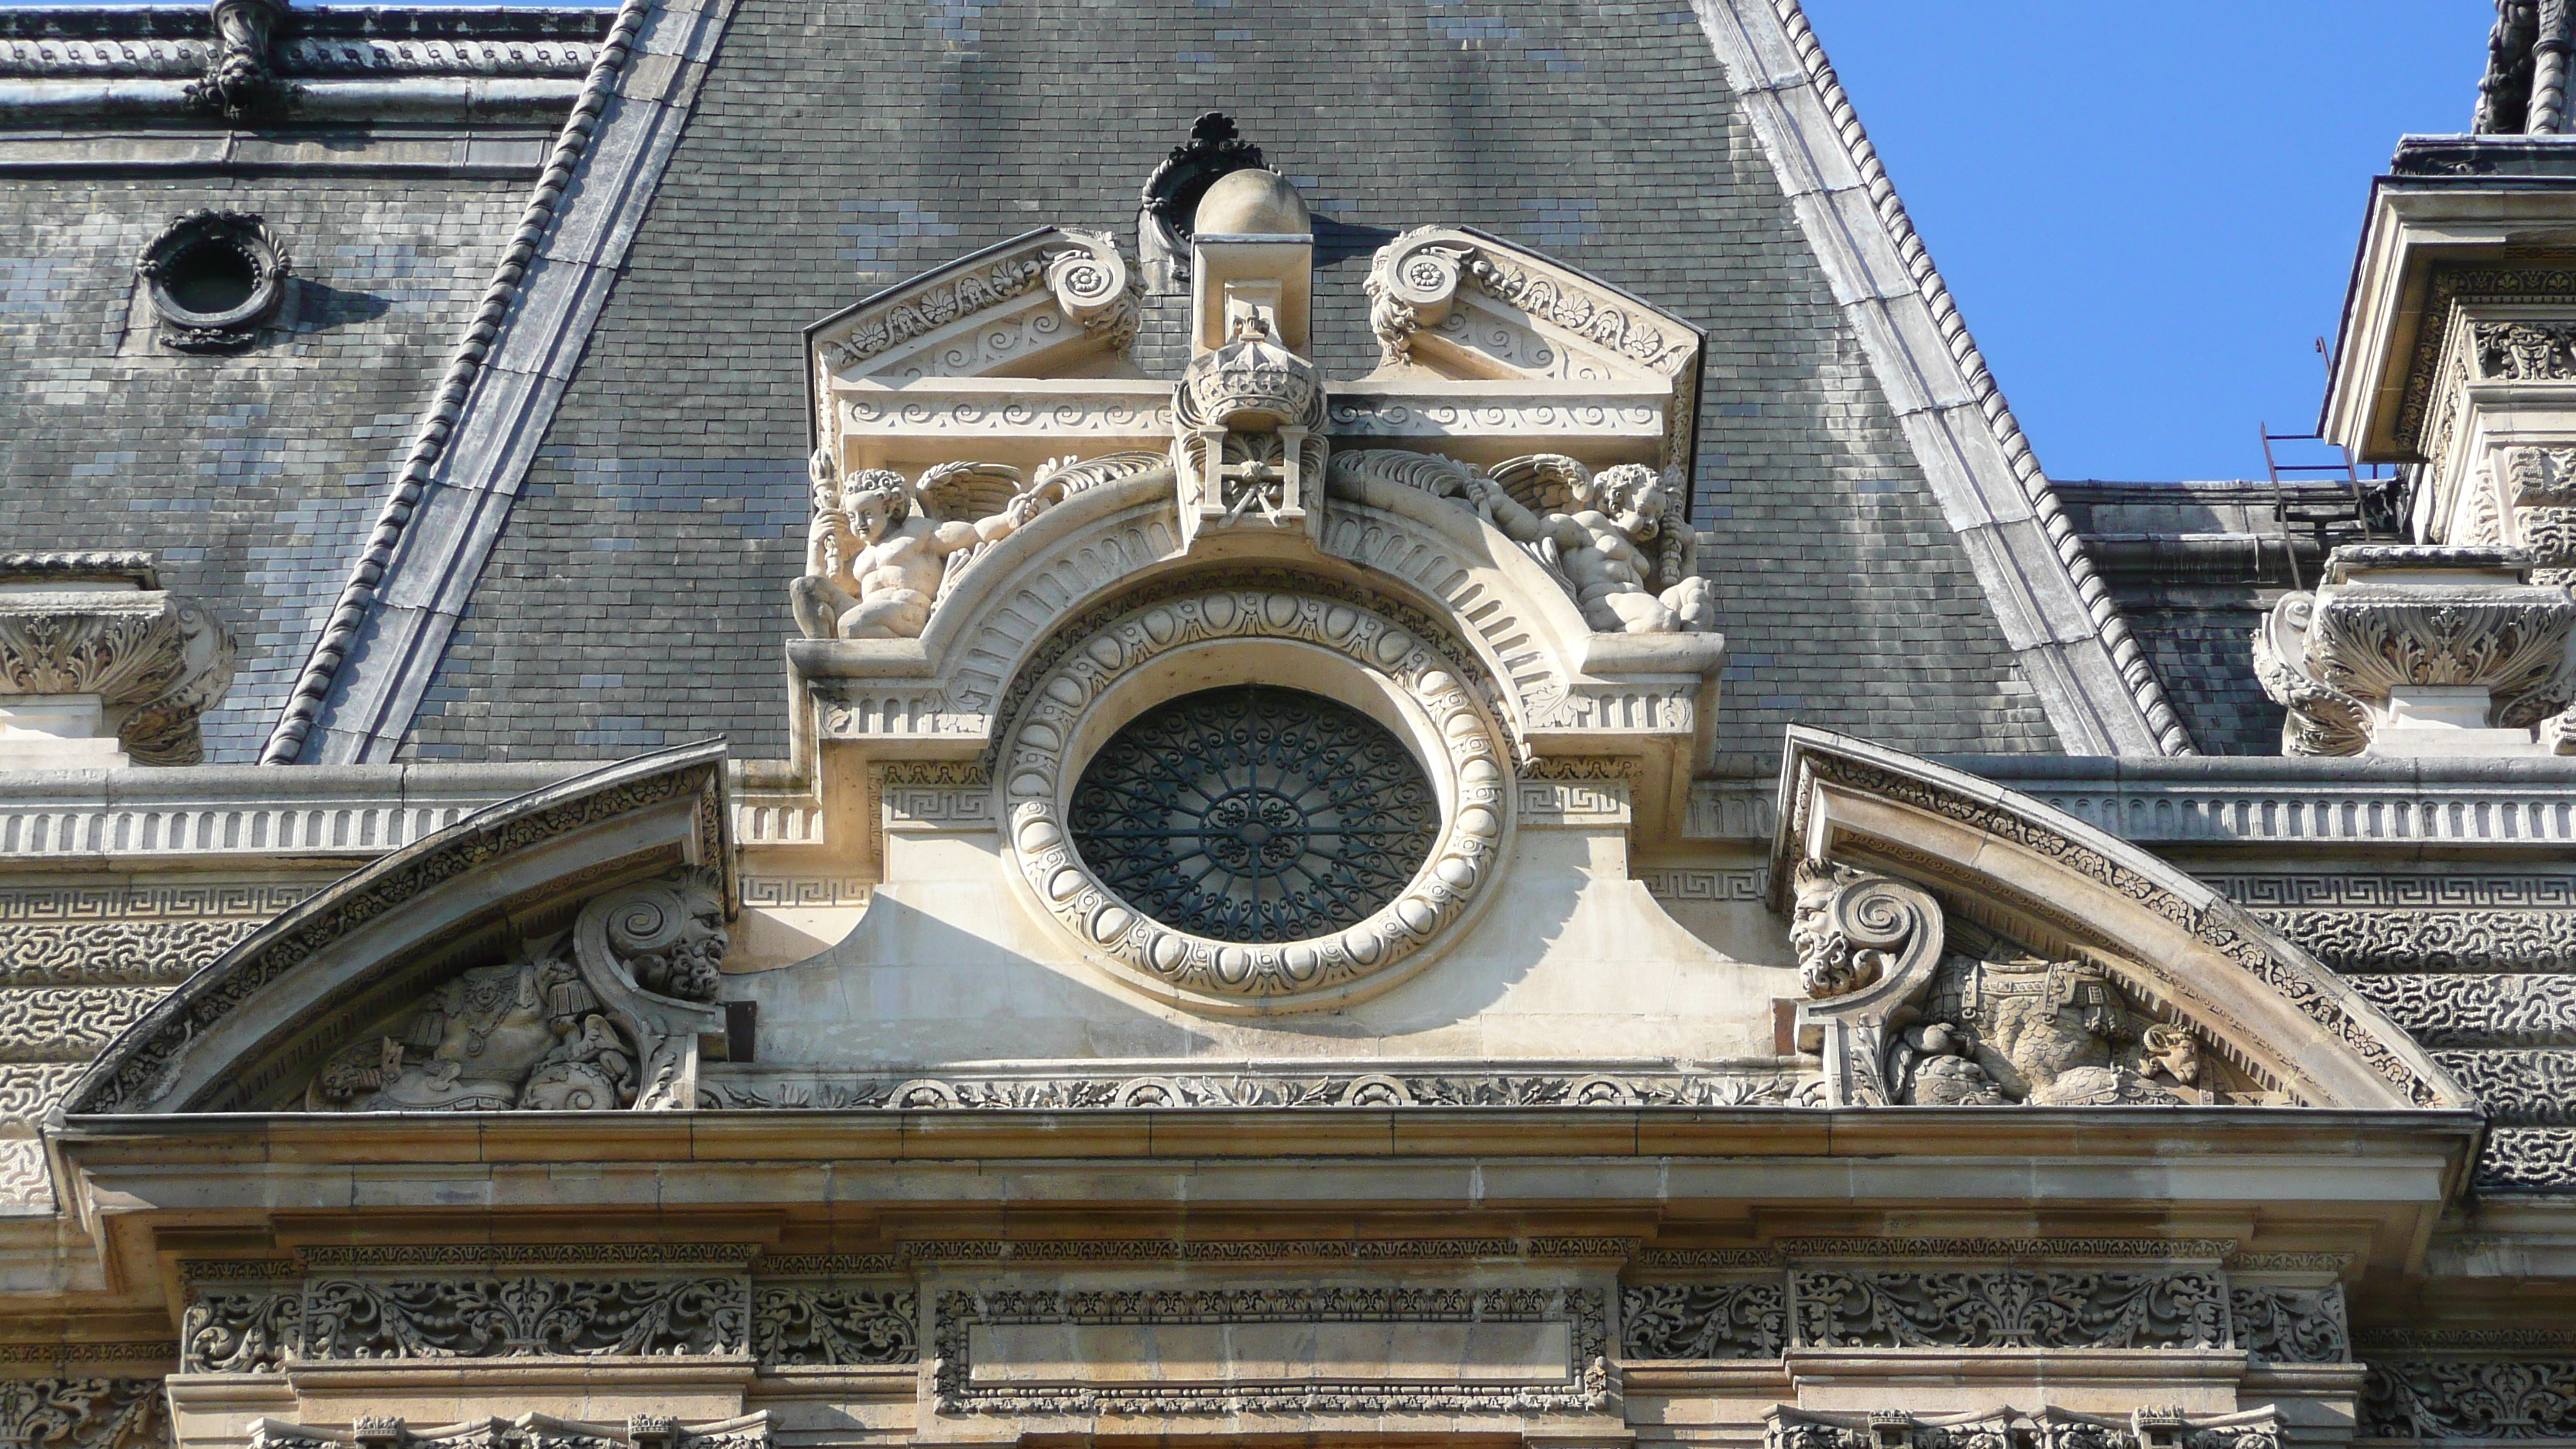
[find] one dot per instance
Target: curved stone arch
(261, 1018)
(2017, 867)
(1124, 536)
(1112, 664)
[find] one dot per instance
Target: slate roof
(252, 476)
(636, 596)
(662, 519)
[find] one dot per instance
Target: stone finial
(240, 78)
(2413, 650)
(99, 667)
(1168, 209)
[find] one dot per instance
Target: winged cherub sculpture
(880, 549)
(1595, 529)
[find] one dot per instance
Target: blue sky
(2148, 211)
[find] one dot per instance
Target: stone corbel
(1867, 947)
(91, 645)
(2418, 650)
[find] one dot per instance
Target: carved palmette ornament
(605, 1018)
(2051, 1428)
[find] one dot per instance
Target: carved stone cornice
(1285, 1086)
(90, 624)
(2407, 643)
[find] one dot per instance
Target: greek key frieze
(2469, 1399)
(2400, 892)
(2010, 1308)
(2430, 940)
(1704, 1321)
(828, 1324)
(1752, 886)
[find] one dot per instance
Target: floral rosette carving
(1227, 975)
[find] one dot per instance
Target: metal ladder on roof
(2358, 512)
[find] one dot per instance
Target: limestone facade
(1259, 925)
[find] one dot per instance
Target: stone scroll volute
(1867, 947)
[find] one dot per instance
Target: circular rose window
(1255, 814)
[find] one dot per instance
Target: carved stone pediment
(576, 1022)
(1962, 945)
(1920, 1011)
(556, 951)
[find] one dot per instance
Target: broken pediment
(1962, 945)
(560, 951)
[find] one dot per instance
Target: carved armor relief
(549, 1028)
(1924, 1008)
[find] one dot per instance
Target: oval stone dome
(1251, 202)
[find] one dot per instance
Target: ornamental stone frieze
(526, 1431)
(1962, 946)
(99, 667)
(2153, 1427)
(2422, 651)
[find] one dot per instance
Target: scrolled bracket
(1867, 948)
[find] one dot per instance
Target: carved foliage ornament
(1469, 768)
(2051, 1428)
(82, 1413)
(528, 1431)
(1091, 283)
(355, 1318)
(2469, 1399)
(155, 660)
(1420, 271)
(571, 1023)
(2053, 1308)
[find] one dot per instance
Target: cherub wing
(1543, 483)
(964, 492)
